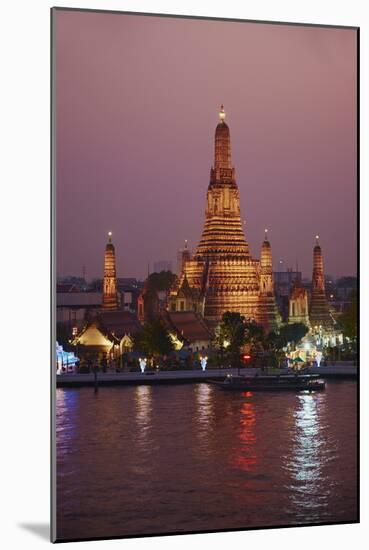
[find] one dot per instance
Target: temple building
(268, 315)
(109, 333)
(184, 298)
(298, 305)
(222, 269)
(319, 314)
(183, 256)
(110, 292)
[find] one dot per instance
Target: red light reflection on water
(246, 457)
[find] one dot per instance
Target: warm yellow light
(110, 233)
(222, 113)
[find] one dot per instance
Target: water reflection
(204, 394)
(190, 457)
(204, 414)
(246, 456)
(307, 457)
(143, 401)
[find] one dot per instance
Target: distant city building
(73, 308)
(345, 287)
(110, 294)
(129, 289)
(127, 282)
(162, 265)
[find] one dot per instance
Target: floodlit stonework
(222, 268)
(110, 294)
(319, 309)
(298, 305)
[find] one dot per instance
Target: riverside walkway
(184, 376)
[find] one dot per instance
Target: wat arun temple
(222, 275)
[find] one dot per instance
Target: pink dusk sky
(137, 101)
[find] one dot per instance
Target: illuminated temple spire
(110, 294)
(222, 157)
(222, 267)
(319, 308)
(269, 315)
(223, 233)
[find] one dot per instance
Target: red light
(247, 357)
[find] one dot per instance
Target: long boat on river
(282, 382)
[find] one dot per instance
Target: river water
(145, 460)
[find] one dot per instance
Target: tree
(153, 340)
(161, 281)
(290, 333)
(254, 335)
(348, 319)
(230, 334)
(234, 332)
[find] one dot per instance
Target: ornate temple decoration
(298, 305)
(319, 314)
(268, 314)
(222, 268)
(182, 297)
(110, 294)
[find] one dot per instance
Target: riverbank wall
(184, 376)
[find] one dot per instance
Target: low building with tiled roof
(109, 333)
(188, 327)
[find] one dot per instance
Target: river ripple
(146, 460)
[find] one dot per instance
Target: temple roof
(189, 325)
(119, 322)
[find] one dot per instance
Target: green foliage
(288, 333)
(348, 319)
(234, 332)
(254, 335)
(161, 281)
(230, 334)
(153, 340)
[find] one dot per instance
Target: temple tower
(268, 315)
(184, 255)
(298, 305)
(222, 267)
(110, 294)
(319, 309)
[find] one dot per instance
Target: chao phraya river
(152, 459)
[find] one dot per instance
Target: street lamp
(142, 364)
(203, 361)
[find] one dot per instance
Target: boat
(282, 382)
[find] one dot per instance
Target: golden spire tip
(222, 113)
